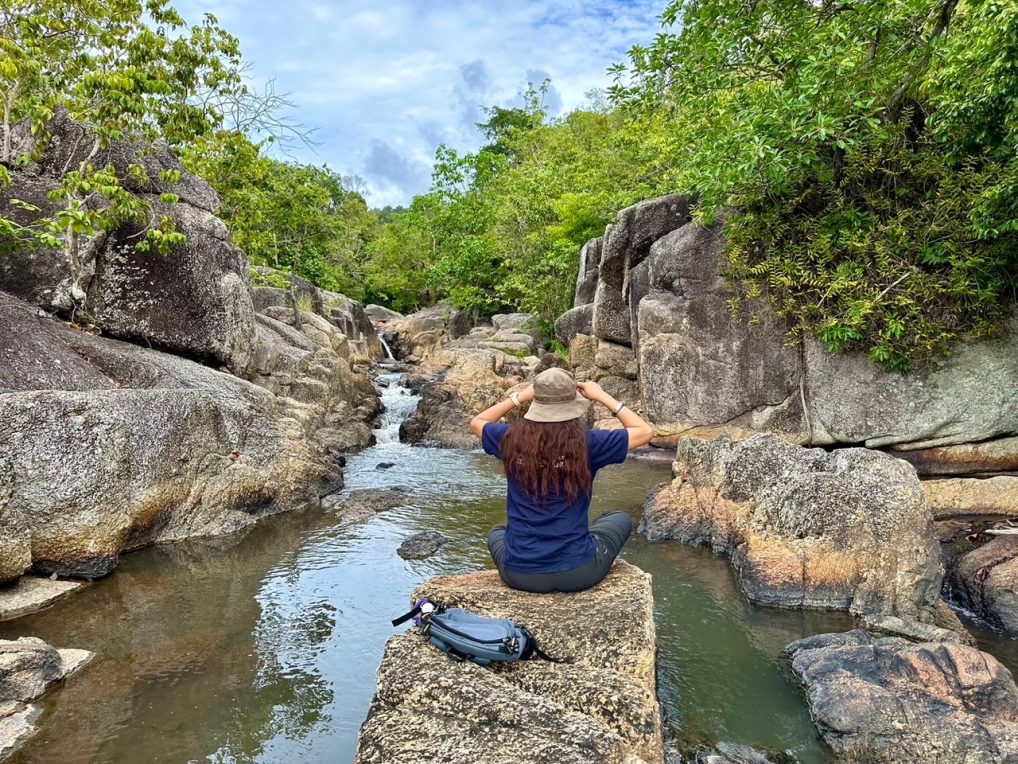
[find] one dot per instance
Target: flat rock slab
(17, 725)
(74, 659)
(601, 707)
(890, 701)
(31, 594)
(962, 497)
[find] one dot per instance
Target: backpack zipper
(467, 636)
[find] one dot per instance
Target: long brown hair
(547, 458)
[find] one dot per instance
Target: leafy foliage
(298, 218)
(869, 152)
(130, 70)
(500, 228)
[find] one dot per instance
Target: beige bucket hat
(556, 398)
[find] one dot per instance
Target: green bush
(868, 153)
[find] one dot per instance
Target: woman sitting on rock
(550, 460)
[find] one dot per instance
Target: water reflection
(180, 660)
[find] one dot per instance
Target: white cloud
(320, 12)
(385, 82)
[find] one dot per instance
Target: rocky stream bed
(266, 650)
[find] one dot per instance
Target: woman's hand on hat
(526, 394)
(590, 390)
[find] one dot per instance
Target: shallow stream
(266, 650)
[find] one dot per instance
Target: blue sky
(384, 83)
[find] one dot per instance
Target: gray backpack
(466, 636)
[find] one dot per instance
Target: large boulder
(194, 301)
(108, 446)
(173, 463)
(700, 364)
(72, 142)
(600, 707)
(626, 243)
(349, 317)
(804, 527)
(276, 290)
(381, 314)
(969, 396)
(573, 322)
(423, 333)
(470, 381)
(890, 701)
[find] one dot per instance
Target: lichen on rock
(803, 527)
(886, 700)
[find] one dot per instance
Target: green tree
(501, 228)
(129, 70)
(298, 218)
(867, 150)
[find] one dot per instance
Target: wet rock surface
(602, 707)
(803, 527)
(984, 582)
(363, 504)
(28, 668)
(888, 700)
(421, 545)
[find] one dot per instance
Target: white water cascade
(399, 403)
(385, 345)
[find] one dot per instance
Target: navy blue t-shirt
(550, 536)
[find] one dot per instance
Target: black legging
(609, 532)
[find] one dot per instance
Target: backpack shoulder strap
(532, 650)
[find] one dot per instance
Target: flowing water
(265, 649)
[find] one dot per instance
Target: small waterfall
(388, 351)
(399, 404)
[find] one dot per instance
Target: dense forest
(864, 156)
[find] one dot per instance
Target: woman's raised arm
(499, 410)
(640, 433)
